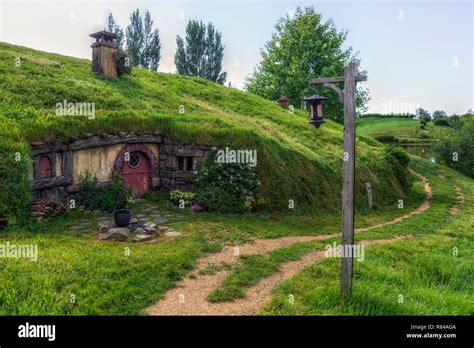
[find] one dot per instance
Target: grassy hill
(406, 130)
(295, 160)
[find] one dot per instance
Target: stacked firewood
(44, 209)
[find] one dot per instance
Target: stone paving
(146, 225)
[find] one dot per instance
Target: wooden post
(347, 264)
(348, 98)
(368, 189)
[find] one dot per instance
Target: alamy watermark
(356, 251)
(66, 108)
(16, 251)
(227, 155)
(399, 107)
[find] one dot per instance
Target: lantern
(284, 102)
(316, 111)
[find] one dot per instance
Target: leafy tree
(214, 53)
(303, 47)
(123, 60)
(423, 114)
(123, 63)
(135, 38)
(113, 27)
(201, 52)
(455, 121)
(152, 44)
(456, 150)
(143, 43)
(438, 114)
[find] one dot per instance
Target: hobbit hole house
(145, 162)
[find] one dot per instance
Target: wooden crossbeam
(322, 80)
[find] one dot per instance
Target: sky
(416, 53)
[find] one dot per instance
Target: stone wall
(99, 161)
(172, 166)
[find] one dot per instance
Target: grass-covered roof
(295, 160)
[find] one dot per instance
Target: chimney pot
(104, 54)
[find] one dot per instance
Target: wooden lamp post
(348, 98)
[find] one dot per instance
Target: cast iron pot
(122, 217)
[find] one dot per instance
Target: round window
(134, 161)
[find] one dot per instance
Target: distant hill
(295, 160)
(405, 129)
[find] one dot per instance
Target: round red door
(136, 173)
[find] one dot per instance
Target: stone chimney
(104, 54)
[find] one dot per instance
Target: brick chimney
(104, 54)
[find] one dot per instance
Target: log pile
(44, 209)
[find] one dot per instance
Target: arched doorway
(136, 173)
(138, 167)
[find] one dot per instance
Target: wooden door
(136, 173)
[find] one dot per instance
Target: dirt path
(189, 297)
(423, 207)
(460, 197)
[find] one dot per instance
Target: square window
(180, 163)
(189, 163)
(185, 163)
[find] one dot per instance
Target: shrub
(123, 63)
(455, 121)
(456, 150)
(441, 121)
(15, 187)
(219, 200)
(225, 187)
(104, 197)
(178, 196)
(422, 134)
(399, 160)
(425, 118)
(387, 139)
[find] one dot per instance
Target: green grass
(295, 160)
(102, 278)
(422, 269)
(106, 281)
(397, 127)
(405, 129)
(255, 267)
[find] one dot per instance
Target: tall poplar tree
(114, 28)
(143, 42)
(201, 52)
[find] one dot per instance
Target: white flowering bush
(225, 187)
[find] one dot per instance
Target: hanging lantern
(316, 111)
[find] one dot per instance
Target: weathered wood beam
(348, 183)
(51, 182)
(336, 89)
(322, 80)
